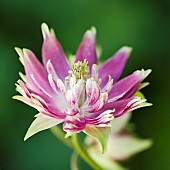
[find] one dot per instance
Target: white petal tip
(28, 134)
(149, 104)
(91, 33)
(21, 54)
(25, 138)
(147, 72)
(18, 97)
(45, 30)
(150, 142)
(95, 66)
(93, 30)
(52, 32)
(18, 50)
(26, 52)
(126, 49)
(143, 73)
(15, 97)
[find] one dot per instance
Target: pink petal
(123, 106)
(95, 73)
(48, 108)
(78, 88)
(114, 66)
(87, 48)
(99, 104)
(40, 86)
(100, 120)
(33, 67)
(51, 70)
(52, 82)
(52, 50)
(73, 124)
(41, 102)
(61, 86)
(73, 94)
(127, 86)
(92, 91)
(108, 86)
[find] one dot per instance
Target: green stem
(74, 161)
(61, 135)
(83, 153)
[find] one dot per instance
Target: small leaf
(99, 133)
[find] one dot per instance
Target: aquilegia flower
(84, 96)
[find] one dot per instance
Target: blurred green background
(144, 25)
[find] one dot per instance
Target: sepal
(41, 122)
(99, 133)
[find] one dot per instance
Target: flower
(84, 96)
(122, 144)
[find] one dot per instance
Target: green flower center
(81, 70)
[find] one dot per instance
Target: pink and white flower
(80, 96)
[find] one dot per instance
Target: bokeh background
(144, 25)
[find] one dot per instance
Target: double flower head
(82, 95)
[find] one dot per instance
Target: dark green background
(144, 25)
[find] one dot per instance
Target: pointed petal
(114, 66)
(108, 86)
(75, 92)
(127, 86)
(100, 120)
(123, 106)
(72, 82)
(95, 73)
(32, 66)
(41, 86)
(52, 50)
(22, 89)
(52, 83)
(51, 70)
(44, 104)
(41, 122)
(121, 147)
(61, 86)
(87, 48)
(92, 91)
(23, 77)
(21, 55)
(99, 133)
(23, 99)
(99, 104)
(142, 85)
(78, 88)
